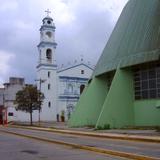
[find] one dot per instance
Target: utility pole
(3, 112)
(39, 110)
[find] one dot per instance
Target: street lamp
(40, 82)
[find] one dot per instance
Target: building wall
(19, 115)
(1, 96)
(119, 108)
(63, 106)
(48, 113)
(15, 84)
(147, 113)
(69, 84)
(75, 71)
(90, 104)
(10, 95)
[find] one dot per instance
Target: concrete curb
(152, 139)
(93, 149)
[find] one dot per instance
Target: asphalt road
(19, 148)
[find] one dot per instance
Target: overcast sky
(82, 28)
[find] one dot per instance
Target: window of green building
(147, 81)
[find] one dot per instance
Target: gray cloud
(82, 28)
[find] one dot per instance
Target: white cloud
(5, 60)
(8, 5)
(82, 27)
(60, 10)
(21, 25)
(113, 6)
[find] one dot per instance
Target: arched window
(49, 34)
(82, 71)
(49, 86)
(49, 104)
(70, 88)
(49, 74)
(82, 88)
(49, 55)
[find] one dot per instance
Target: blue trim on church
(74, 67)
(73, 78)
(47, 65)
(68, 97)
(44, 27)
(69, 100)
(50, 44)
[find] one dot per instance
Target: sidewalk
(63, 125)
(59, 127)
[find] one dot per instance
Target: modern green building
(124, 89)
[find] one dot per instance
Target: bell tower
(47, 68)
(47, 43)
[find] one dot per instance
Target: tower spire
(48, 12)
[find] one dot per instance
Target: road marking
(89, 148)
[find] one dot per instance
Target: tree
(29, 99)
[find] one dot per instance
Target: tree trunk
(31, 123)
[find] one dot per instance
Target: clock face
(49, 34)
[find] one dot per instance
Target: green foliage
(62, 113)
(29, 99)
(158, 128)
(105, 127)
(99, 128)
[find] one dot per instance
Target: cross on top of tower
(81, 57)
(48, 12)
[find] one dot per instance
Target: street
(33, 142)
(18, 148)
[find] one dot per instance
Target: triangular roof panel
(135, 38)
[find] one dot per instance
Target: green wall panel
(147, 113)
(118, 108)
(90, 104)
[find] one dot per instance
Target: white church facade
(61, 87)
(71, 82)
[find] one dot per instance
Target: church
(124, 90)
(61, 87)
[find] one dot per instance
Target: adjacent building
(8, 94)
(124, 89)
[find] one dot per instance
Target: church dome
(47, 21)
(135, 38)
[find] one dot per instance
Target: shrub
(105, 127)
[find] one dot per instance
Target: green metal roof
(135, 38)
